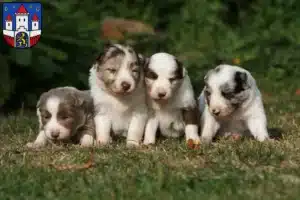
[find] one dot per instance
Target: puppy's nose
(161, 94)
(55, 134)
(216, 112)
(125, 86)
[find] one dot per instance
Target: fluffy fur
(173, 108)
(65, 115)
(117, 87)
(231, 103)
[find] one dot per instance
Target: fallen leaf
(297, 92)
(193, 144)
(190, 144)
(116, 28)
(236, 61)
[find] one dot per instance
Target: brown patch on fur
(150, 74)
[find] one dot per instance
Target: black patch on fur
(240, 79)
(179, 70)
(150, 74)
(115, 53)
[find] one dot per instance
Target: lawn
(228, 169)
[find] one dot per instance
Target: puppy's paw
(87, 141)
(103, 142)
(262, 138)
(34, 145)
(132, 144)
(148, 141)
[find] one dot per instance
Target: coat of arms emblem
(22, 24)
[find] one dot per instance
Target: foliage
(264, 35)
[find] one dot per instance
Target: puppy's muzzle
(125, 86)
(216, 112)
(161, 94)
(54, 134)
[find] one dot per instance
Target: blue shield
(22, 24)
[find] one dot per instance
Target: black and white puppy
(118, 89)
(173, 108)
(231, 103)
(65, 115)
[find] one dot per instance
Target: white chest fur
(170, 122)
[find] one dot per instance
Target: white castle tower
(8, 23)
(22, 22)
(22, 18)
(35, 23)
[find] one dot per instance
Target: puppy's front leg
(87, 135)
(136, 129)
(258, 127)
(103, 127)
(40, 141)
(151, 130)
(190, 117)
(209, 127)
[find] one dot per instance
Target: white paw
(132, 144)
(34, 145)
(148, 141)
(87, 141)
(103, 142)
(262, 138)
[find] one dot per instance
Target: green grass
(244, 169)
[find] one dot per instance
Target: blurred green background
(261, 35)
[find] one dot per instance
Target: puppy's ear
(241, 80)
(180, 72)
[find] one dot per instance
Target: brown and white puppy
(117, 87)
(65, 115)
(170, 98)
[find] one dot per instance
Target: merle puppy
(231, 103)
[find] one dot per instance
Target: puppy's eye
(112, 70)
(46, 115)
(151, 75)
(172, 80)
(135, 70)
(65, 117)
(133, 64)
(228, 95)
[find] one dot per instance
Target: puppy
(117, 87)
(170, 98)
(231, 102)
(65, 115)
